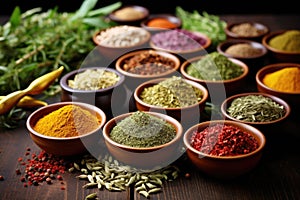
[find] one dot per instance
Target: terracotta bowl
(218, 90)
(111, 53)
(279, 55)
(267, 126)
(106, 98)
(124, 16)
(68, 146)
(157, 28)
(262, 28)
(291, 98)
(225, 167)
(187, 53)
(144, 158)
(254, 61)
(186, 115)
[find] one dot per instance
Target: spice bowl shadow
(253, 109)
(243, 29)
(229, 166)
(218, 89)
(292, 98)
(66, 146)
(278, 55)
(145, 158)
(187, 116)
(105, 98)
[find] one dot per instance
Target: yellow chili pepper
(29, 102)
(36, 87)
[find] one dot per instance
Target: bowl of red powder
(159, 22)
(224, 149)
(66, 128)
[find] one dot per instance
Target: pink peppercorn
(223, 140)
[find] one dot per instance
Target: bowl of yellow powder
(283, 45)
(281, 80)
(66, 128)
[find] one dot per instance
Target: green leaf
(85, 7)
(96, 22)
(15, 18)
(105, 10)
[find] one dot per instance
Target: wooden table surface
(276, 177)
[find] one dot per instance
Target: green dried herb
(143, 130)
(255, 108)
(173, 92)
(214, 67)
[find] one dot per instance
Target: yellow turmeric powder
(67, 121)
(285, 80)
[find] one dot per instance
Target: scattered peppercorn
(1, 178)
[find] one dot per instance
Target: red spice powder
(223, 140)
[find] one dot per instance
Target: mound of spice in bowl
(287, 41)
(67, 121)
(243, 50)
(285, 80)
(214, 67)
(247, 30)
(255, 108)
(94, 79)
(173, 92)
(142, 130)
(148, 63)
(223, 140)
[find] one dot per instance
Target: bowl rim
(125, 47)
(280, 101)
(171, 17)
(61, 104)
(167, 118)
(270, 35)
(143, 9)
(255, 23)
(121, 59)
(66, 77)
(230, 42)
(250, 129)
(242, 64)
(200, 48)
(261, 73)
(158, 80)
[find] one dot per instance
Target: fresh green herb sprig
(34, 43)
(209, 24)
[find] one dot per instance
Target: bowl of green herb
(262, 110)
(175, 96)
(144, 140)
(218, 73)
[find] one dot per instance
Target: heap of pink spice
(223, 140)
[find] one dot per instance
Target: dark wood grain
(276, 177)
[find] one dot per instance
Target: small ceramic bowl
(123, 38)
(188, 115)
(250, 52)
(224, 167)
(218, 89)
(160, 22)
(246, 30)
(279, 55)
(151, 57)
(292, 98)
(129, 15)
(186, 44)
(105, 98)
(266, 126)
(147, 157)
(65, 146)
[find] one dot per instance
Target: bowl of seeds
(175, 96)
(224, 149)
(264, 111)
(99, 86)
(144, 140)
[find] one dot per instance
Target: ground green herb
(172, 92)
(255, 108)
(143, 130)
(214, 67)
